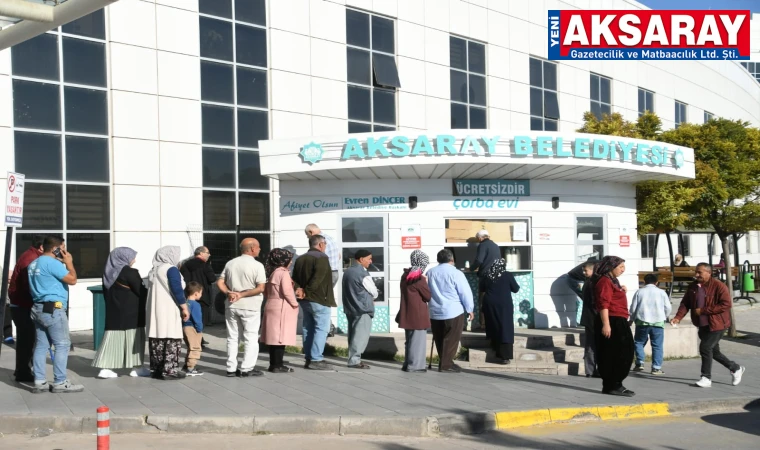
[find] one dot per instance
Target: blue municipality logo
(312, 153)
(678, 158)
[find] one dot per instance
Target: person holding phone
(50, 276)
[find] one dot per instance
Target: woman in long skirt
(614, 341)
(167, 309)
(123, 345)
(498, 309)
(278, 328)
(413, 315)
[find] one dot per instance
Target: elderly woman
(123, 345)
(278, 328)
(167, 309)
(498, 309)
(614, 341)
(413, 315)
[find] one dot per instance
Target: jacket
(313, 274)
(18, 289)
(413, 313)
(487, 252)
(126, 301)
(200, 271)
(359, 292)
(718, 304)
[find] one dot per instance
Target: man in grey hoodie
(359, 293)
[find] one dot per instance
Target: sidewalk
(382, 392)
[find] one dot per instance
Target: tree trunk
(729, 282)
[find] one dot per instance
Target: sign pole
(6, 263)
(13, 215)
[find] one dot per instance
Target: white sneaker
(107, 373)
(737, 376)
(140, 372)
(704, 382)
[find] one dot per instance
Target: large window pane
(38, 156)
(220, 8)
(550, 76)
(216, 39)
(358, 127)
(216, 82)
(87, 159)
(594, 87)
(359, 104)
(218, 211)
(251, 45)
(36, 57)
(254, 211)
(84, 62)
(87, 207)
(606, 109)
(382, 128)
(536, 102)
(86, 110)
(476, 57)
(378, 258)
(265, 242)
(223, 247)
(218, 167)
(358, 66)
(590, 228)
(457, 53)
(550, 125)
(382, 35)
(605, 90)
(650, 101)
(253, 126)
(459, 116)
(551, 105)
(252, 87)
(536, 77)
(36, 105)
(90, 252)
(252, 11)
(477, 90)
(385, 70)
(357, 28)
(536, 123)
(249, 171)
(478, 118)
(458, 86)
(585, 251)
(596, 109)
(43, 206)
(92, 25)
(362, 229)
(24, 241)
(218, 125)
(384, 105)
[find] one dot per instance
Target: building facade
(139, 125)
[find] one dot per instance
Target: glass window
(87, 207)
(254, 211)
(249, 171)
(647, 245)
(536, 74)
(218, 125)
(251, 45)
(43, 206)
(478, 119)
(536, 123)
(90, 252)
(378, 258)
(216, 82)
(536, 102)
(386, 72)
(86, 110)
(382, 35)
(251, 11)
(384, 106)
(358, 127)
(708, 116)
(383, 128)
(468, 86)
(363, 229)
(265, 242)
(219, 210)
(590, 228)
(358, 66)
(253, 125)
(220, 8)
(551, 105)
(594, 87)
(544, 104)
(550, 75)
(684, 245)
(216, 39)
(223, 247)
(84, 62)
(458, 116)
(550, 125)
(252, 87)
(36, 105)
(459, 86)
(457, 53)
(680, 113)
(359, 104)
(646, 101)
(87, 159)
(476, 57)
(92, 25)
(24, 241)
(218, 168)
(605, 90)
(477, 90)
(38, 156)
(36, 57)
(357, 28)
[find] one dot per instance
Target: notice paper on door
(520, 232)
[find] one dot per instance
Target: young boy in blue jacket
(193, 328)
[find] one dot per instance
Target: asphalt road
(734, 430)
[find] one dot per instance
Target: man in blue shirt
(451, 298)
(50, 276)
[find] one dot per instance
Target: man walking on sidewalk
(649, 310)
(710, 303)
(359, 294)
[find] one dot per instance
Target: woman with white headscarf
(498, 309)
(413, 315)
(123, 345)
(167, 309)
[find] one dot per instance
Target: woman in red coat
(278, 328)
(413, 314)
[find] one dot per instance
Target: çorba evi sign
(544, 146)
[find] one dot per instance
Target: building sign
(376, 203)
(411, 236)
(493, 188)
(295, 206)
(14, 200)
(625, 241)
(485, 203)
(302, 205)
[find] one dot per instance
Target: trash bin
(98, 315)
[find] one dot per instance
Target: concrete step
(533, 341)
(562, 369)
(558, 361)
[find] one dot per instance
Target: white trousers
(245, 323)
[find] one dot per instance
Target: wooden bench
(680, 273)
(662, 277)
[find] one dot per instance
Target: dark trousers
(276, 356)
(205, 314)
(709, 350)
(26, 338)
(614, 355)
(504, 350)
(589, 350)
(7, 327)
(447, 334)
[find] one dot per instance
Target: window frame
(591, 242)
(544, 118)
(600, 101)
(680, 113)
(647, 245)
(468, 104)
(708, 116)
(385, 245)
(646, 106)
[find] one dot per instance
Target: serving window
(512, 235)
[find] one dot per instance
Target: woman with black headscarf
(278, 328)
(498, 309)
(413, 315)
(614, 341)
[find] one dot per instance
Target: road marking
(506, 420)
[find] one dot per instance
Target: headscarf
(279, 257)
(497, 269)
(604, 268)
(118, 259)
(164, 255)
(420, 261)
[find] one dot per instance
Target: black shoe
(204, 342)
(178, 375)
(232, 374)
(251, 373)
(453, 369)
(282, 369)
(317, 365)
(620, 392)
(193, 372)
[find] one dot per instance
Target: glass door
(369, 232)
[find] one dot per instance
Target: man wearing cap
(359, 294)
(488, 252)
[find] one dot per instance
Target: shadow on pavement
(749, 338)
(742, 422)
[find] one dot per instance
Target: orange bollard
(104, 428)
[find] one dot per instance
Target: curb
(419, 426)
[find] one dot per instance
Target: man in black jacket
(199, 270)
